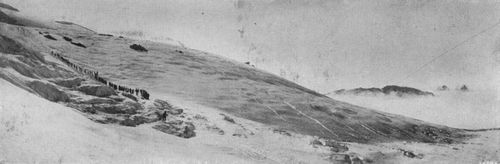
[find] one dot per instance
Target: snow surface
(39, 131)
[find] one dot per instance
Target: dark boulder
(48, 36)
(138, 47)
(79, 44)
(464, 88)
(109, 35)
(228, 119)
(64, 22)
(67, 39)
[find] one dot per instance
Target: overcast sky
(324, 44)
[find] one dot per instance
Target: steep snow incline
(34, 130)
(210, 80)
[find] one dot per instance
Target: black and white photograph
(249, 81)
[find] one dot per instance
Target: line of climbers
(95, 75)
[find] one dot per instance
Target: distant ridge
(387, 90)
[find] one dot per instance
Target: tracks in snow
(315, 120)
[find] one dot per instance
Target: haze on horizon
(324, 45)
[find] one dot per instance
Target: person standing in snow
(164, 116)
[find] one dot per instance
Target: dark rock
(97, 90)
(335, 146)
(175, 122)
(216, 129)
(188, 131)
(282, 132)
(316, 142)
(464, 88)
(131, 107)
(183, 129)
(89, 109)
(138, 47)
(67, 39)
(48, 91)
(48, 36)
(410, 154)
(79, 44)
(240, 135)
(64, 22)
(107, 120)
(105, 34)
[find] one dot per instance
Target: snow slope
(241, 114)
(35, 130)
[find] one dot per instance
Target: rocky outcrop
(48, 91)
(403, 91)
(48, 36)
(138, 47)
(78, 44)
(178, 128)
(162, 105)
(97, 90)
(387, 90)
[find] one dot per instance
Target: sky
(324, 45)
